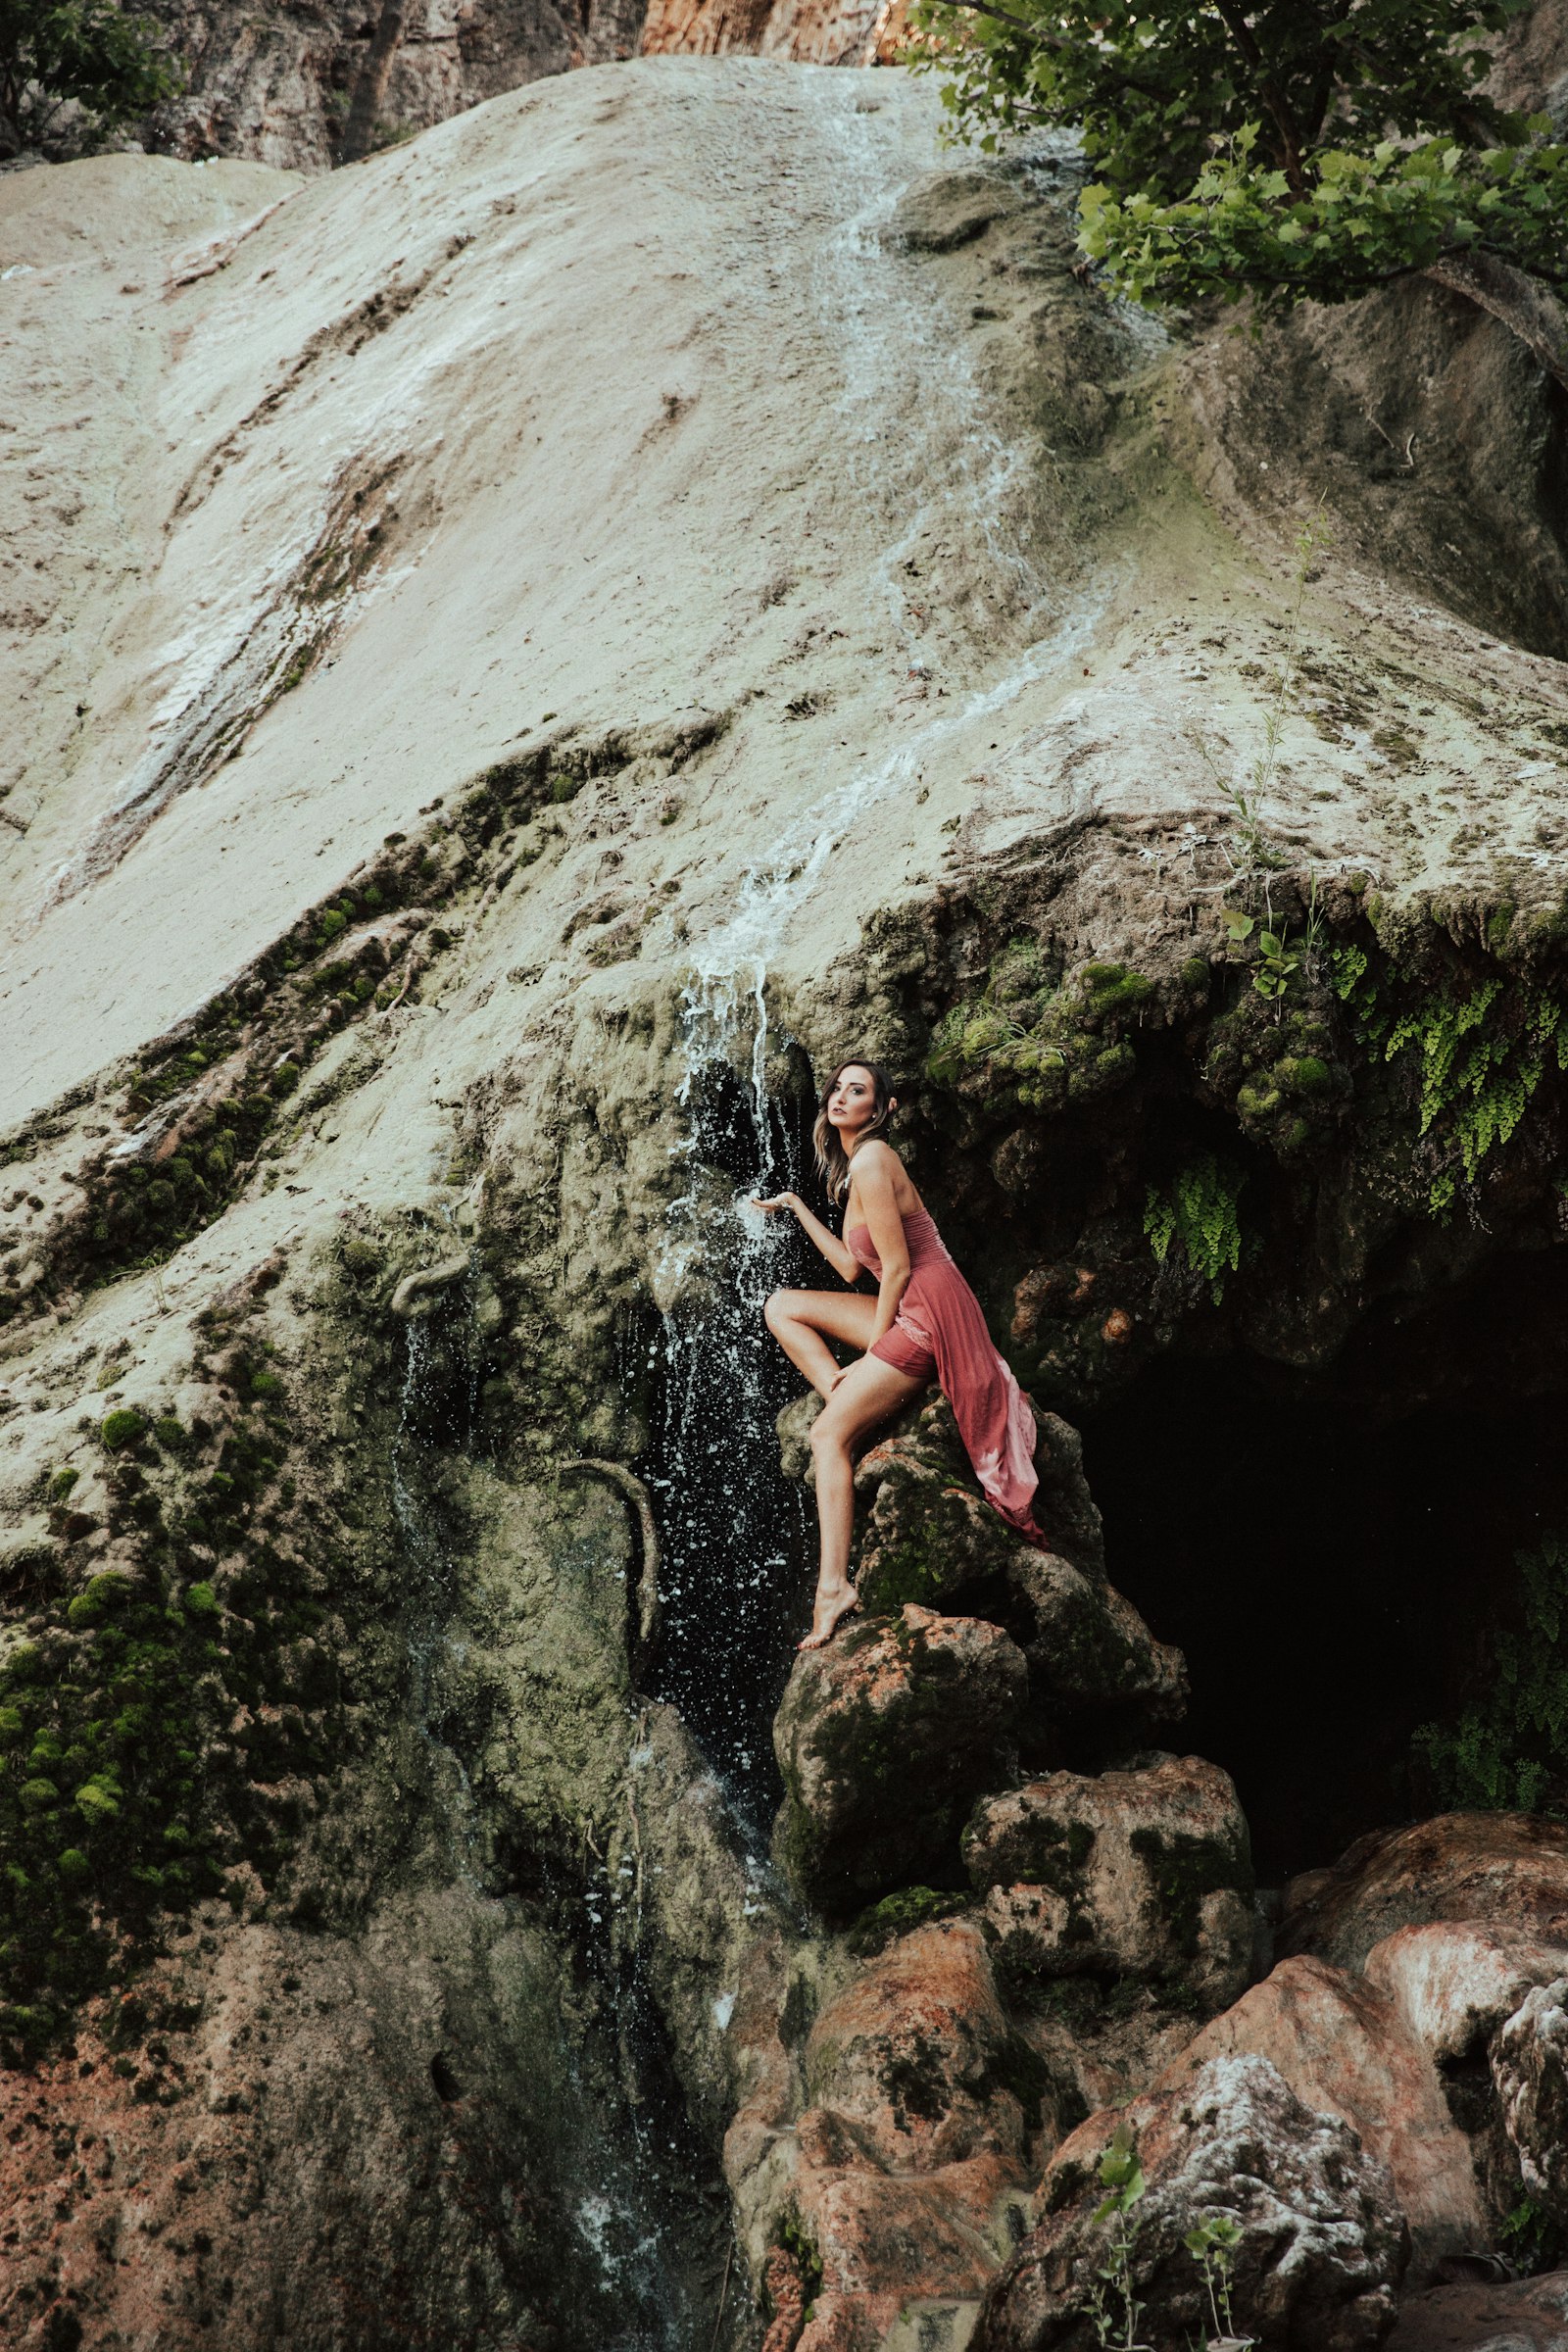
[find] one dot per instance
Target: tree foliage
(1290, 149)
(87, 55)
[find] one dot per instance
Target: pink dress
(941, 1334)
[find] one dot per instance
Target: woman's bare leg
(868, 1392)
(799, 1319)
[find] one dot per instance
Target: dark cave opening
(1335, 1550)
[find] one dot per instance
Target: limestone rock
(1322, 2249)
(1344, 2049)
(921, 2104)
(1530, 2068)
(885, 1739)
(1143, 1873)
(1507, 1869)
(1455, 1983)
(908, 1470)
(1086, 1644)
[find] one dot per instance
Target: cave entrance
(1335, 1551)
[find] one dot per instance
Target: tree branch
(1269, 89)
(1524, 304)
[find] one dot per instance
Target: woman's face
(852, 1103)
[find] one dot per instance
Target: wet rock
(1343, 2047)
(1505, 1868)
(930, 1539)
(922, 2100)
(885, 1739)
(907, 1474)
(1322, 2247)
(1143, 1873)
(1530, 2068)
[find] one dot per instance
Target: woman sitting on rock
(924, 1324)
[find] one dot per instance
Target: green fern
(1200, 1214)
(1483, 1049)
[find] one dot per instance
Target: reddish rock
(1455, 1983)
(1343, 2047)
(1508, 1870)
(921, 2103)
(1144, 1873)
(1322, 2247)
(885, 1739)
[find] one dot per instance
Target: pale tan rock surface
(1505, 1869)
(766, 510)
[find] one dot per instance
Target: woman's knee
(828, 1438)
(777, 1309)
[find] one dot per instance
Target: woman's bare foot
(830, 1610)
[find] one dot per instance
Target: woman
(924, 1324)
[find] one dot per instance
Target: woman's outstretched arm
(843, 1260)
(874, 1164)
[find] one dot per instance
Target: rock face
(921, 2101)
(1322, 2246)
(885, 1739)
(1143, 1873)
(1507, 1867)
(1530, 2067)
(930, 1539)
(481, 617)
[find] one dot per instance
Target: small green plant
(1113, 2307)
(122, 1428)
(1509, 1751)
(1200, 1215)
(1212, 2244)
(1278, 956)
(1483, 1048)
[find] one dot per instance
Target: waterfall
(923, 456)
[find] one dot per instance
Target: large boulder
(1322, 2244)
(1344, 2048)
(1145, 1873)
(921, 2105)
(932, 1540)
(1456, 1982)
(1510, 1870)
(1530, 2068)
(885, 1739)
(908, 1470)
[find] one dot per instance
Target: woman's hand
(779, 1201)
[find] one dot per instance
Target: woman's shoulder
(876, 1156)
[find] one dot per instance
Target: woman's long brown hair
(832, 1160)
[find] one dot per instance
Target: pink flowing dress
(941, 1334)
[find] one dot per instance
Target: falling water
(739, 1544)
(624, 2175)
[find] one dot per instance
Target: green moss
(61, 1484)
(1035, 1047)
(122, 1428)
(897, 1914)
(1182, 1870)
(104, 1593)
(170, 1434)
(202, 1601)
